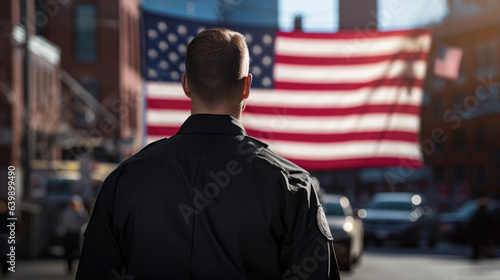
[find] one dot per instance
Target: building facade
(461, 118)
(357, 14)
(263, 13)
(45, 92)
(102, 95)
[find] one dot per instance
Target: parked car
(404, 217)
(347, 230)
(454, 226)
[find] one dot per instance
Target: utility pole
(358, 14)
(297, 23)
(26, 89)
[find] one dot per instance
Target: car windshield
(467, 209)
(470, 207)
(333, 209)
(390, 205)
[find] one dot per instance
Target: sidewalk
(46, 269)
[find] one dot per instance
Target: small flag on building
(447, 64)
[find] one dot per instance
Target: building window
(462, 72)
(493, 56)
(481, 175)
(86, 32)
(459, 174)
(460, 140)
(488, 94)
(480, 138)
(437, 105)
(438, 83)
(41, 19)
(459, 98)
(438, 175)
(487, 57)
(440, 147)
(497, 174)
(481, 55)
(493, 94)
(86, 113)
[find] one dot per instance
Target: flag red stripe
(354, 34)
(400, 82)
(165, 104)
(318, 61)
(169, 104)
(340, 112)
(335, 138)
(155, 130)
(320, 165)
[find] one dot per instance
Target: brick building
(102, 95)
(461, 118)
(45, 90)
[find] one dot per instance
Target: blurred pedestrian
(481, 231)
(72, 220)
(210, 202)
(4, 234)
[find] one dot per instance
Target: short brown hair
(217, 62)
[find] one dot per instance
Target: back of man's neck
(218, 111)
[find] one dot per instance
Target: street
(445, 262)
(376, 266)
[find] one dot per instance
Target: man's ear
(246, 87)
(185, 87)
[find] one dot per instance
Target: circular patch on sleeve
(323, 223)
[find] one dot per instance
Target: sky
(322, 15)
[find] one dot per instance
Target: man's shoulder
(147, 151)
(295, 176)
(253, 148)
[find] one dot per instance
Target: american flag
(447, 63)
(324, 101)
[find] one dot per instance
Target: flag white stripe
(331, 125)
(358, 46)
(165, 90)
(166, 117)
(336, 99)
(307, 99)
(350, 73)
(291, 124)
(151, 139)
(349, 150)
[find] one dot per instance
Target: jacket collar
(212, 124)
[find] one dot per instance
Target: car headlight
(362, 213)
(348, 224)
(413, 216)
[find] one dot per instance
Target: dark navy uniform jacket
(208, 203)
